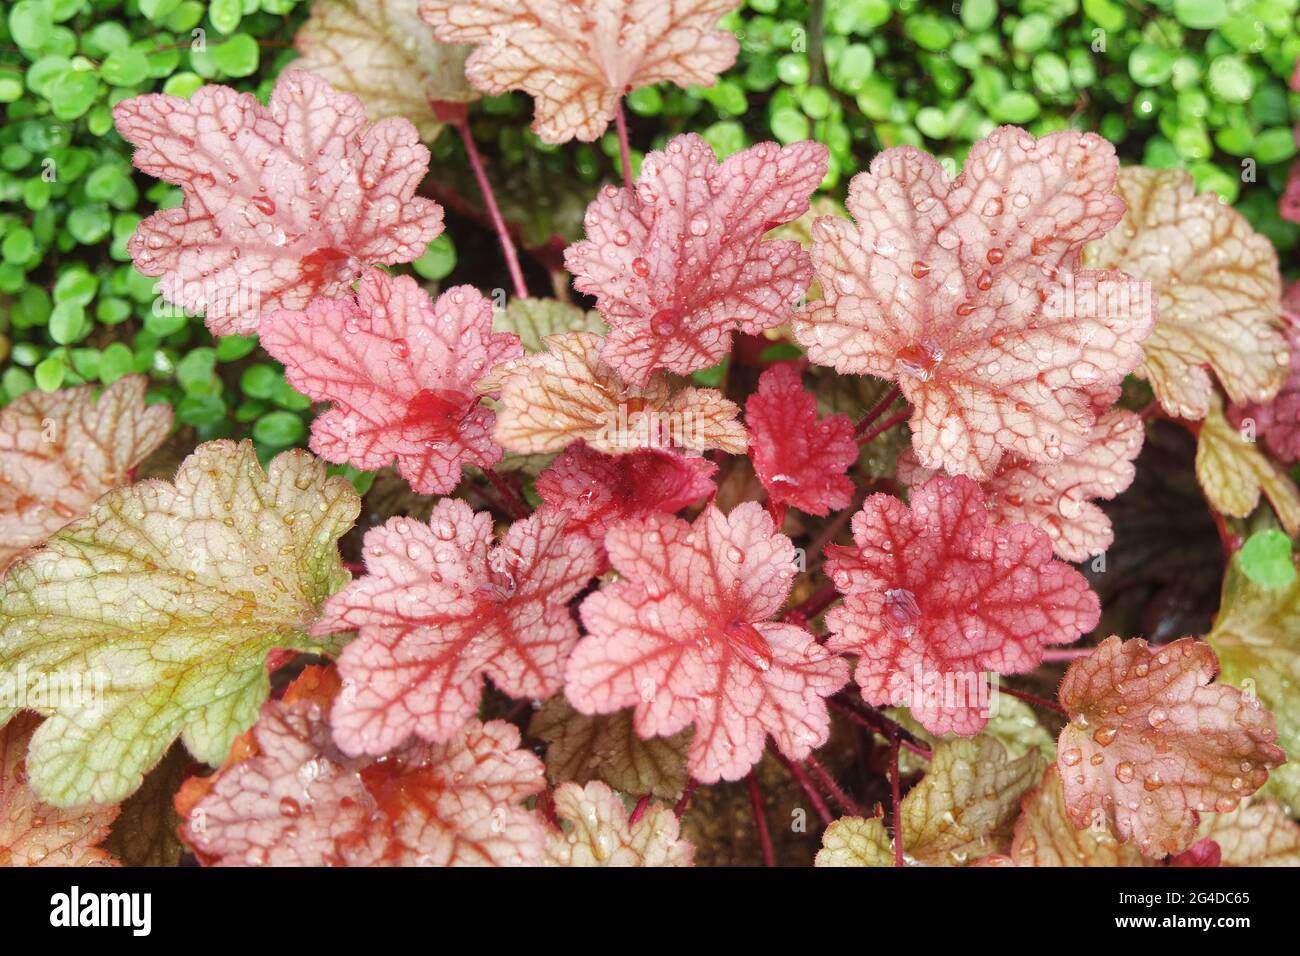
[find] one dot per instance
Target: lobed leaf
(577, 59)
(597, 491)
(1257, 833)
(33, 833)
(1044, 835)
(800, 461)
(381, 52)
(402, 373)
(440, 608)
(605, 747)
(1218, 288)
(535, 319)
(967, 294)
(156, 612)
(937, 598)
(283, 202)
(600, 834)
(685, 636)
(1233, 471)
(568, 393)
(856, 841)
(680, 263)
(291, 798)
(1058, 498)
(60, 451)
(1151, 744)
(1256, 636)
(1277, 422)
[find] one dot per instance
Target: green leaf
(237, 56)
(226, 14)
(49, 376)
(68, 322)
(532, 319)
(1266, 559)
(114, 362)
(71, 93)
(1200, 14)
(1257, 638)
(30, 23)
(438, 260)
(279, 429)
(171, 596)
(231, 348)
(1230, 79)
(125, 67)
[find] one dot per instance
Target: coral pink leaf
(440, 608)
(1151, 743)
(293, 799)
(937, 598)
(680, 263)
(401, 372)
(33, 833)
(60, 452)
(1058, 498)
(1277, 423)
(282, 202)
(685, 636)
(576, 58)
(800, 461)
(598, 490)
(966, 294)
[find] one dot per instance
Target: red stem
(354, 567)
(896, 794)
(685, 800)
(514, 506)
(494, 212)
(760, 821)
(830, 786)
(878, 409)
(817, 602)
(885, 426)
(624, 150)
(1035, 700)
(639, 810)
(878, 723)
(819, 805)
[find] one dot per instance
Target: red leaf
(799, 461)
(682, 263)
(33, 833)
(966, 294)
(597, 491)
(401, 372)
(1277, 422)
(1058, 497)
(1151, 743)
(685, 637)
(282, 202)
(577, 58)
(936, 598)
(289, 797)
(439, 608)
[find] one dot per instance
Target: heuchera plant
(624, 551)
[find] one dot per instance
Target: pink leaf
(937, 598)
(292, 798)
(966, 294)
(682, 263)
(799, 461)
(401, 372)
(1151, 743)
(577, 58)
(33, 833)
(1277, 422)
(282, 203)
(1058, 497)
(440, 608)
(685, 636)
(597, 491)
